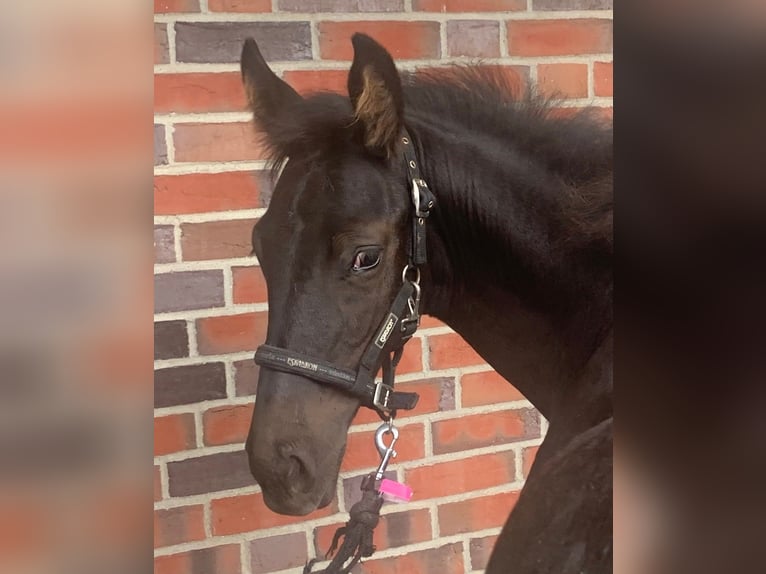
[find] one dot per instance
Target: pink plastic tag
(393, 491)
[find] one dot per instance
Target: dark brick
(171, 340)
(161, 52)
(474, 38)
(447, 559)
(178, 525)
(481, 548)
(189, 384)
(160, 149)
(341, 5)
(217, 239)
(246, 377)
(206, 42)
(164, 244)
(209, 473)
(188, 290)
(218, 560)
(571, 4)
(278, 552)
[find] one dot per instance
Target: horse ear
(267, 94)
(375, 90)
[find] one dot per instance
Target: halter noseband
(399, 324)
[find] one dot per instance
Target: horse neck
(499, 273)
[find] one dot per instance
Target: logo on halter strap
(386, 331)
(302, 364)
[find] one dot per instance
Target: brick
(161, 50)
(218, 559)
(189, 384)
(246, 378)
(393, 530)
(446, 559)
(404, 40)
(231, 333)
(206, 192)
(160, 148)
(226, 425)
(172, 6)
(481, 549)
(229, 141)
(308, 81)
(571, 5)
(528, 457)
(459, 476)
(341, 5)
(239, 5)
(278, 553)
(171, 340)
(217, 239)
(248, 512)
(605, 114)
(474, 38)
(426, 321)
(436, 395)
(164, 244)
(212, 42)
(157, 484)
(361, 452)
(412, 358)
(603, 78)
(199, 93)
(487, 388)
(184, 290)
(174, 433)
(559, 37)
(563, 80)
(469, 5)
(178, 525)
(249, 285)
(486, 429)
(476, 513)
(209, 473)
(450, 350)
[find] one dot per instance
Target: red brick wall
(468, 446)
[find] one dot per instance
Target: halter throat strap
(397, 327)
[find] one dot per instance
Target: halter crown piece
(385, 350)
(397, 327)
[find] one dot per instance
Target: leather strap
(422, 200)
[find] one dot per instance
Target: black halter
(399, 324)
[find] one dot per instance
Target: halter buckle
(380, 400)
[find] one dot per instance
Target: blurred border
(690, 454)
(76, 261)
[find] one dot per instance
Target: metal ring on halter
(407, 269)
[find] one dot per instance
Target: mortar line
(405, 16)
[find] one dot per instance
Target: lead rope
(365, 514)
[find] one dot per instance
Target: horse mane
(572, 144)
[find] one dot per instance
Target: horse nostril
(294, 469)
(300, 473)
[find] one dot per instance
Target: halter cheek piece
(399, 324)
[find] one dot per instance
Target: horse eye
(366, 259)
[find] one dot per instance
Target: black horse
(519, 263)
